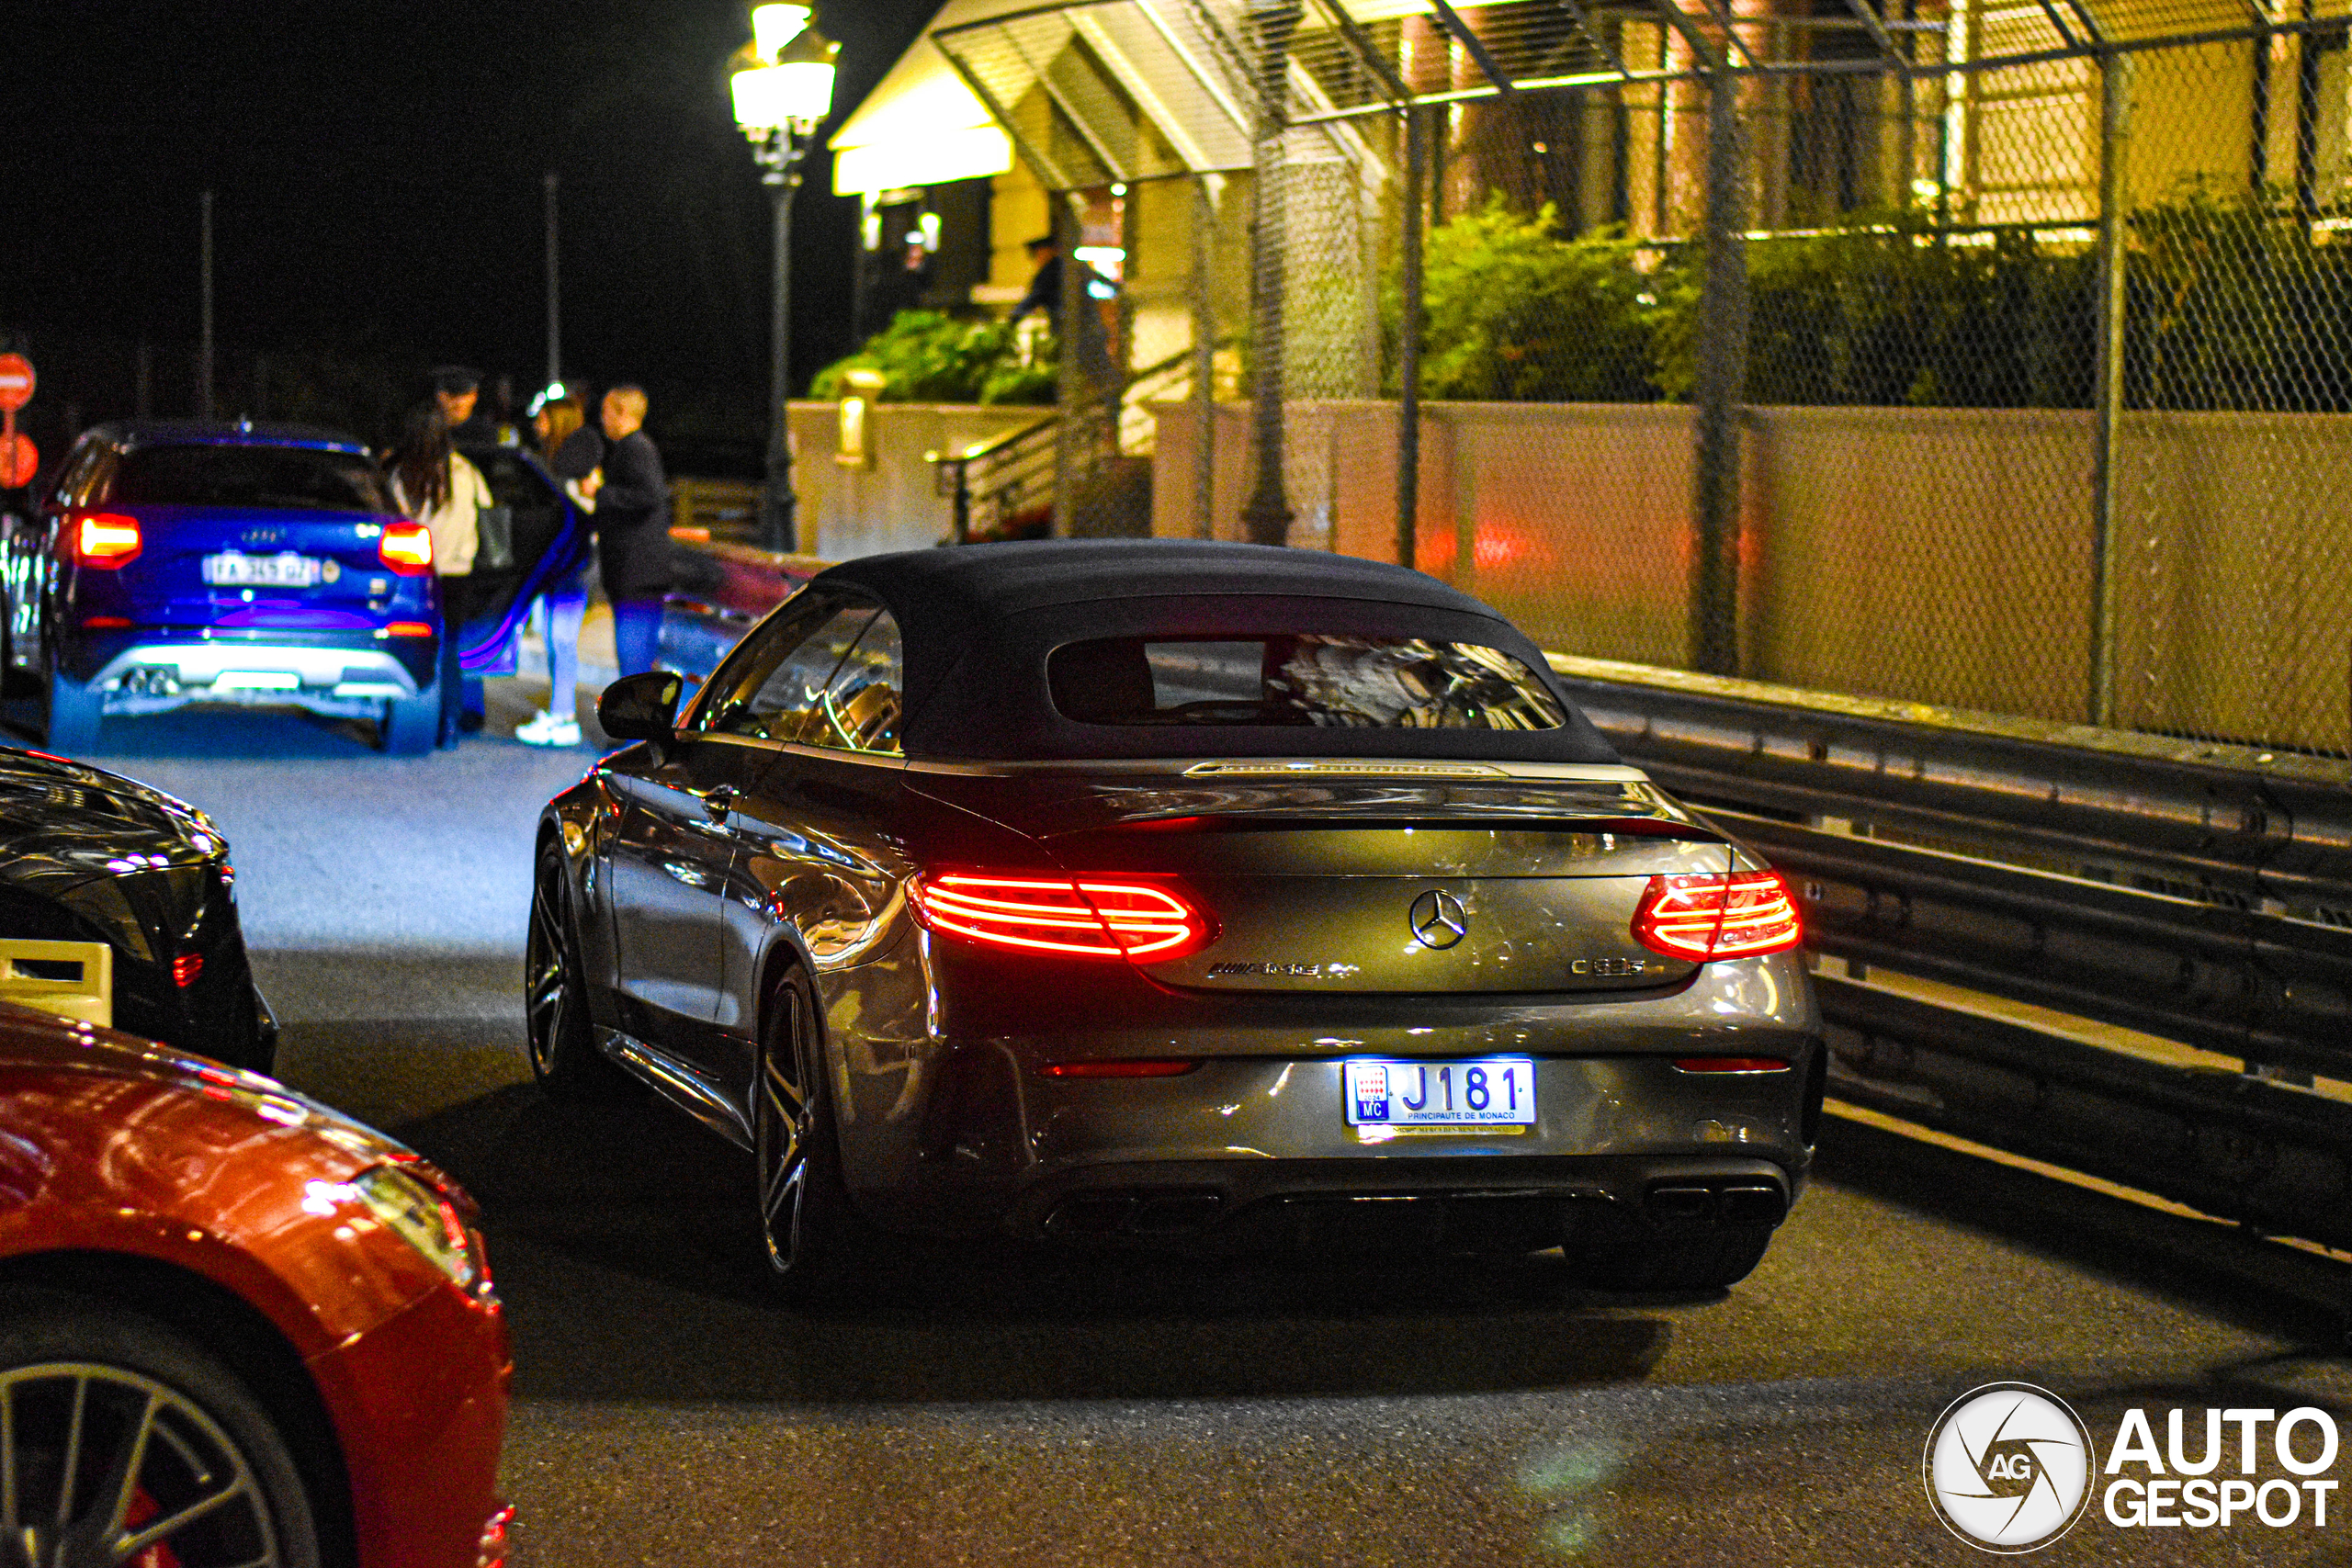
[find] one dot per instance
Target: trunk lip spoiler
(1264, 769)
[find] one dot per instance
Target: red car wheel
(131, 1445)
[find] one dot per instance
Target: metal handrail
(953, 470)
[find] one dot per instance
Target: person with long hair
(573, 451)
(435, 483)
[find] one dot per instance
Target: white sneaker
(547, 729)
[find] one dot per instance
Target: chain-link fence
(1983, 354)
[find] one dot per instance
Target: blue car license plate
(1485, 1092)
(232, 569)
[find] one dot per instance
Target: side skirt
(681, 1085)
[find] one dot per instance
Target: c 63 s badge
(1616, 967)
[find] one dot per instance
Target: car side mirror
(641, 707)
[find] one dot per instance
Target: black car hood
(62, 823)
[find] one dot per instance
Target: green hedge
(929, 356)
(2232, 306)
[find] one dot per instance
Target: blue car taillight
(106, 539)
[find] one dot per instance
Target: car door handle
(719, 802)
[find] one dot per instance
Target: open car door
(532, 536)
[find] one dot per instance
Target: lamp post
(784, 89)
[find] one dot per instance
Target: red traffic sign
(19, 461)
(16, 382)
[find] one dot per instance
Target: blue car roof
(136, 433)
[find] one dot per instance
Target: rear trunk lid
(1412, 883)
(260, 570)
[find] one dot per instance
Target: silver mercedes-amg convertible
(1177, 893)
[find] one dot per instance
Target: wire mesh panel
(2233, 493)
(2035, 315)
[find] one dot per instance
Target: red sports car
(236, 1328)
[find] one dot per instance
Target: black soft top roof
(977, 621)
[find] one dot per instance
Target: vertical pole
(204, 319)
(1721, 383)
(1203, 359)
(1073, 432)
(778, 531)
(554, 328)
(1409, 338)
(1267, 515)
(2114, 281)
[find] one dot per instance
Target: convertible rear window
(277, 478)
(1317, 681)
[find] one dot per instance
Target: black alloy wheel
(564, 1057)
(805, 1217)
(129, 1445)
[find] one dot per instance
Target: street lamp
(783, 83)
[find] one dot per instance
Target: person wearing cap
(1046, 294)
(456, 391)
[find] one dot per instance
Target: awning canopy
(921, 125)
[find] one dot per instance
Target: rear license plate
(1489, 1091)
(286, 569)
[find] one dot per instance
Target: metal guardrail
(2199, 894)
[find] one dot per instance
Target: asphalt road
(995, 1407)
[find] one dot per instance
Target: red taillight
(1063, 917)
(106, 539)
(105, 622)
(186, 969)
(406, 547)
(409, 628)
(1730, 1064)
(1718, 915)
(1148, 1068)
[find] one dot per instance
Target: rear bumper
(1465, 1202)
(1260, 1149)
(351, 678)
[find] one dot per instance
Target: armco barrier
(2196, 893)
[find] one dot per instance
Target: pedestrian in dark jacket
(633, 530)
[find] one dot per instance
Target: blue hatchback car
(174, 563)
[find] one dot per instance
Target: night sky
(378, 171)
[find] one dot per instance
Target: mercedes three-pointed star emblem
(1438, 919)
